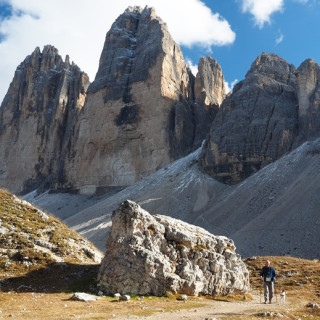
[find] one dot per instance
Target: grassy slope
(32, 241)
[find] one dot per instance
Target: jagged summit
(271, 112)
(140, 112)
(131, 48)
(36, 119)
(271, 65)
(209, 83)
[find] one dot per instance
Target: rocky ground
(273, 212)
(299, 278)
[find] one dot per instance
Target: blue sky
(234, 32)
(292, 33)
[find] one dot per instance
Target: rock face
(308, 92)
(140, 112)
(209, 83)
(272, 111)
(36, 119)
(153, 254)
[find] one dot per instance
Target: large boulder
(154, 254)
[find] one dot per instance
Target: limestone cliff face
(256, 124)
(139, 114)
(209, 83)
(274, 110)
(36, 119)
(308, 92)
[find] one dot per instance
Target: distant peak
(308, 63)
(267, 58)
(137, 12)
(49, 49)
(270, 64)
(138, 9)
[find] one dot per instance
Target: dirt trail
(218, 309)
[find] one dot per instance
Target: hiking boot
(270, 302)
(265, 302)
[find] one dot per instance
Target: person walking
(268, 274)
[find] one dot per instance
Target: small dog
(282, 296)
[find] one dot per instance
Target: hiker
(268, 274)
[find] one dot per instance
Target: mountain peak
(273, 66)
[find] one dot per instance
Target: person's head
(267, 263)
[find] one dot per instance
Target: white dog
(283, 296)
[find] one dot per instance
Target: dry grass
(38, 306)
(31, 242)
(45, 294)
(299, 278)
(42, 290)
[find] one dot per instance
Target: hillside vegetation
(31, 239)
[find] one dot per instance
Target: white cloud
(279, 38)
(229, 85)
(193, 67)
(78, 28)
(262, 9)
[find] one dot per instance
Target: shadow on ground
(55, 278)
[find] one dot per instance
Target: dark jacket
(268, 273)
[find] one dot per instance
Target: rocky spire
(209, 83)
(140, 114)
(256, 124)
(36, 119)
(308, 92)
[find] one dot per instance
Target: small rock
(183, 297)
(313, 305)
(100, 293)
(117, 296)
(81, 296)
(270, 314)
(124, 298)
(252, 258)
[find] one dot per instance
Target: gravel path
(217, 310)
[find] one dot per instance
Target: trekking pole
(275, 292)
(260, 294)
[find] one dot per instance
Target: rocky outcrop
(37, 117)
(308, 92)
(140, 112)
(154, 254)
(209, 85)
(257, 124)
